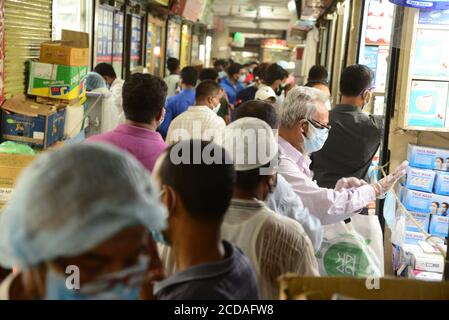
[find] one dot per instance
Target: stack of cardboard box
(56, 81)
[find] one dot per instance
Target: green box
(57, 81)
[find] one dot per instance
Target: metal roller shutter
(27, 24)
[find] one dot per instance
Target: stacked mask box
(428, 157)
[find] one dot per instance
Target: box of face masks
(422, 218)
(439, 226)
(420, 179)
(427, 262)
(428, 157)
(424, 202)
(424, 275)
(442, 183)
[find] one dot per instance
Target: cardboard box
(439, 226)
(442, 183)
(35, 124)
(57, 81)
(10, 167)
(293, 287)
(422, 218)
(424, 202)
(427, 262)
(428, 157)
(72, 50)
(424, 275)
(420, 179)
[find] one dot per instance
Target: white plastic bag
(354, 249)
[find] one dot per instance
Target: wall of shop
(27, 25)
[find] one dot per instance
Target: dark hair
(250, 179)
(355, 79)
(318, 74)
(273, 73)
(189, 76)
(202, 198)
(143, 97)
(234, 69)
(105, 69)
(260, 110)
(206, 88)
(259, 70)
(445, 203)
(172, 64)
(220, 63)
(208, 74)
(437, 203)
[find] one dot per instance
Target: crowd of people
(208, 185)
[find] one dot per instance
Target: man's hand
(385, 184)
(349, 183)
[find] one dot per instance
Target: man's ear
(303, 126)
(160, 115)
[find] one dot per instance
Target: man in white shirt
(304, 129)
(200, 121)
(274, 243)
(172, 80)
(114, 84)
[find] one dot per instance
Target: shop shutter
(27, 24)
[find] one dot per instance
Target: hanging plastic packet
(390, 208)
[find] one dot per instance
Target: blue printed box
(35, 124)
(428, 157)
(420, 179)
(442, 183)
(439, 226)
(424, 202)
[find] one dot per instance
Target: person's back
(172, 80)
(200, 121)
(275, 244)
(143, 103)
(355, 136)
(207, 267)
(179, 103)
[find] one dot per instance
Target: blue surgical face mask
(221, 74)
(316, 139)
(242, 78)
(122, 285)
(433, 209)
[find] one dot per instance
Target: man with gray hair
(304, 130)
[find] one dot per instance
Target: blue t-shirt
(175, 106)
(232, 278)
(231, 90)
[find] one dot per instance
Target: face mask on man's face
(315, 139)
(121, 285)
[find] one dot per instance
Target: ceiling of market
(268, 14)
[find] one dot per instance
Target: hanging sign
(423, 4)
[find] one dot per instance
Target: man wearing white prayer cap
(275, 244)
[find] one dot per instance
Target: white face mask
(217, 108)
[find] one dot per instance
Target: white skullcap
(265, 93)
(71, 200)
(250, 143)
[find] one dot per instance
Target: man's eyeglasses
(318, 125)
